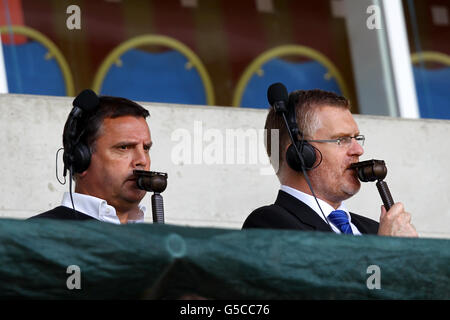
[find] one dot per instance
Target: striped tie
(339, 219)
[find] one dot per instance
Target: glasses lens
(345, 141)
(360, 140)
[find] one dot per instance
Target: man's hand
(396, 222)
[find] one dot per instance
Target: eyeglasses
(343, 141)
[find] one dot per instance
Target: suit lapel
(302, 211)
(364, 225)
(358, 224)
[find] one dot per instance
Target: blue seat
(174, 76)
(433, 92)
(305, 76)
(161, 77)
(318, 72)
(29, 72)
(37, 66)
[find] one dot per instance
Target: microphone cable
(70, 178)
(57, 177)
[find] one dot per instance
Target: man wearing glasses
(326, 122)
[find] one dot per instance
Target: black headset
(77, 155)
(300, 155)
(306, 150)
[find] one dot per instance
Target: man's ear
(287, 147)
(80, 175)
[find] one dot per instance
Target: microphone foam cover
(277, 92)
(86, 100)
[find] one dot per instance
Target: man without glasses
(118, 137)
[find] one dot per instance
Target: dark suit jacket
(63, 213)
(290, 213)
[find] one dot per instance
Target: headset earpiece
(308, 153)
(76, 157)
(81, 158)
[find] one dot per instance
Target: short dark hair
(306, 103)
(109, 107)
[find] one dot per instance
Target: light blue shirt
(98, 208)
(326, 208)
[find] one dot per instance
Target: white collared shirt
(326, 208)
(98, 208)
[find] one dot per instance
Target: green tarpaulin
(42, 259)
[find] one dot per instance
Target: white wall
(220, 195)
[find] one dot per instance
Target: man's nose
(141, 158)
(356, 149)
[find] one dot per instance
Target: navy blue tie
(340, 219)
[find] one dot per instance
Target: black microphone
(151, 180)
(87, 101)
(372, 170)
(155, 182)
(278, 97)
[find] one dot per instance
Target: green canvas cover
(146, 261)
